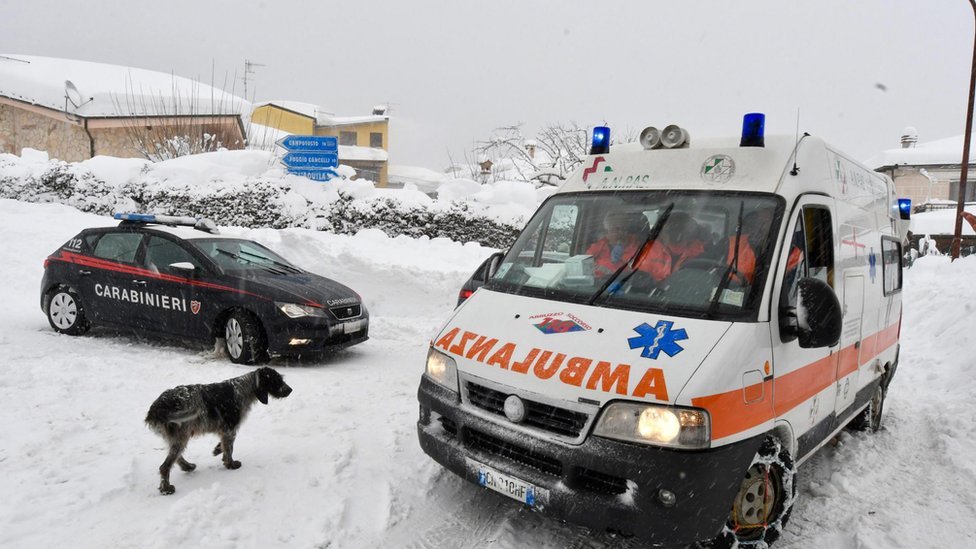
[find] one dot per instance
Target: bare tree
(555, 152)
(160, 126)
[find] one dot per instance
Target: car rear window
(118, 247)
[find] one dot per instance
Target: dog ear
(261, 394)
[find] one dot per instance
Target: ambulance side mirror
(819, 317)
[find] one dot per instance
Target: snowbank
(250, 188)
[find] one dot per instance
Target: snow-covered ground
(337, 463)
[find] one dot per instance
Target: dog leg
(175, 451)
(227, 445)
(186, 465)
(217, 450)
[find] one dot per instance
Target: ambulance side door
(804, 378)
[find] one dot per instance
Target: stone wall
(21, 128)
(114, 142)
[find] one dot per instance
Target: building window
(970, 191)
(348, 139)
(376, 140)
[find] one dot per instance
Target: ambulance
(675, 330)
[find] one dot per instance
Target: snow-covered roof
(349, 152)
(425, 179)
(940, 222)
(89, 89)
(946, 151)
(321, 116)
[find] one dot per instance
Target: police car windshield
(244, 255)
(697, 254)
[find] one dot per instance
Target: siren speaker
(650, 138)
(673, 137)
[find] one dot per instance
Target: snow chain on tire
(771, 458)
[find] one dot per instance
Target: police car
(176, 276)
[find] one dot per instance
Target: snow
(350, 152)
(940, 221)
(109, 90)
(946, 151)
(424, 179)
(337, 463)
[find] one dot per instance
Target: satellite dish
(71, 92)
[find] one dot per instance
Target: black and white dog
(187, 411)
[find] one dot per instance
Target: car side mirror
(819, 317)
(489, 267)
(185, 268)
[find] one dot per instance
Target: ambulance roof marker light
(905, 208)
(601, 140)
(753, 130)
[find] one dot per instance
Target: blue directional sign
(310, 160)
(315, 175)
(309, 143)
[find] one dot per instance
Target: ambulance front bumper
(601, 484)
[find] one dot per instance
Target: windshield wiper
(733, 266)
(285, 266)
(249, 262)
(651, 236)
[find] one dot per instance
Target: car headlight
(294, 310)
(442, 369)
(687, 428)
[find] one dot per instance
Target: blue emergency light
(601, 140)
(137, 217)
(905, 208)
(753, 130)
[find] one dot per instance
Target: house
(928, 173)
(75, 110)
(363, 140)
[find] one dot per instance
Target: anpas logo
(658, 338)
(593, 169)
(559, 323)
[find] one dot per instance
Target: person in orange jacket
(619, 244)
(677, 243)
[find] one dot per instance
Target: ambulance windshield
(698, 254)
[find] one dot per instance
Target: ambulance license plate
(354, 326)
(510, 486)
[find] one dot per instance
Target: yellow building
(363, 140)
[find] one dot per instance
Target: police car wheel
(65, 312)
(244, 339)
(764, 501)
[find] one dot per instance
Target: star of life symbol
(873, 262)
(718, 168)
(658, 338)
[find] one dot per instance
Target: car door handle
(139, 282)
(84, 273)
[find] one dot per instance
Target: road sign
(310, 160)
(309, 143)
(315, 175)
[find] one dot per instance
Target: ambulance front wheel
(764, 500)
(65, 312)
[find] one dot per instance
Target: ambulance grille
(513, 452)
(347, 311)
(567, 423)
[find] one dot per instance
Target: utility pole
(248, 64)
(961, 202)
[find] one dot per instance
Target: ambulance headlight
(670, 426)
(294, 310)
(442, 369)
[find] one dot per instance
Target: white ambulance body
(675, 405)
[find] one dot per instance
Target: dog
(186, 411)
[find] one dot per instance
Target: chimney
(909, 137)
(530, 148)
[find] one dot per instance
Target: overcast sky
(859, 72)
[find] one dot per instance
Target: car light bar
(199, 223)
